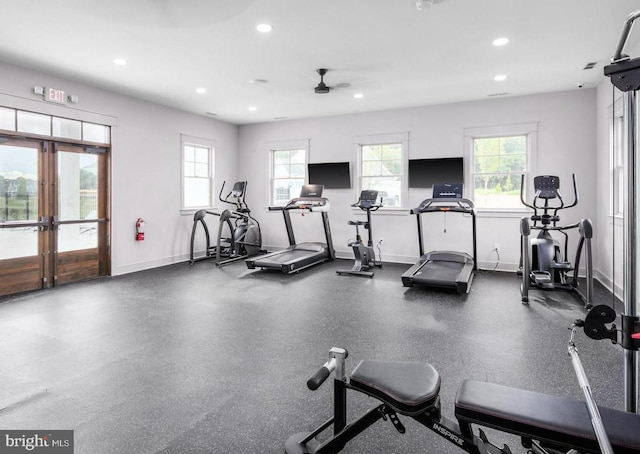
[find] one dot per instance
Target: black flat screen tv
(424, 173)
(333, 175)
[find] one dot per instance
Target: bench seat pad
(558, 420)
(408, 387)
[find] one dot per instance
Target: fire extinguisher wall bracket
(140, 229)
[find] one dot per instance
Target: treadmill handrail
(307, 203)
(455, 204)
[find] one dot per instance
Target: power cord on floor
(497, 261)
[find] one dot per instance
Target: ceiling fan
(323, 88)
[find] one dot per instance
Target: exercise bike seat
(357, 222)
(409, 388)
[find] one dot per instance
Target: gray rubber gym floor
(197, 359)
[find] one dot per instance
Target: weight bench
(412, 389)
(556, 420)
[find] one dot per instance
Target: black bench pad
(408, 387)
(557, 420)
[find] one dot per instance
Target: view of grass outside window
(18, 184)
(197, 174)
(498, 164)
(382, 170)
(289, 172)
(18, 199)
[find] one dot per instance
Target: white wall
(146, 166)
(145, 161)
(609, 266)
(566, 145)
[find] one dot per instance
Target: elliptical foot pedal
(542, 279)
(565, 266)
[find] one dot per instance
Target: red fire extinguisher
(140, 229)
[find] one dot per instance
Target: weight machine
(624, 73)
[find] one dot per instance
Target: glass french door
(53, 211)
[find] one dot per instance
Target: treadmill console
(447, 191)
(238, 189)
(304, 202)
(311, 190)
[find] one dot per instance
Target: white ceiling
(388, 50)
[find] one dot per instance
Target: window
(197, 175)
(288, 175)
(47, 125)
(288, 169)
(617, 151)
(498, 159)
(382, 166)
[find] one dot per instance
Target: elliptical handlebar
(240, 203)
(524, 202)
(575, 192)
(535, 207)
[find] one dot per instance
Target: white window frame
(384, 139)
(210, 145)
(617, 151)
(530, 130)
(286, 145)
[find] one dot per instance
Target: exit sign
(55, 95)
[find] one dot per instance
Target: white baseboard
(141, 266)
(606, 281)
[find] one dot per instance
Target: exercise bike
(365, 256)
(546, 424)
(543, 259)
(238, 235)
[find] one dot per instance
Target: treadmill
(444, 269)
(299, 256)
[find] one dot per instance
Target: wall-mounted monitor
(424, 173)
(333, 175)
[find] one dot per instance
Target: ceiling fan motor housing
(322, 87)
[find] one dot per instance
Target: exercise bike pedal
(393, 417)
(486, 447)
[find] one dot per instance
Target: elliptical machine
(239, 234)
(365, 256)
(543, 261)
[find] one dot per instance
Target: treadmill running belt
(439, 273)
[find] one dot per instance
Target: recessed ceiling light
(500, 77)
(500, 42)
(264, 28)
(201, 90)
(358, 95)
(253, 108)
(120, 61)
